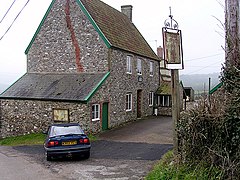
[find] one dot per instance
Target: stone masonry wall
(67, 42)
(19, 117)
(165, 111)
(70, 44)
(24, 116)
(121, 83)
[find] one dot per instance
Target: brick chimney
(127, 10)
(160, 52)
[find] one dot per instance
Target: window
(64, 130)
(150, 99)
(128, 102)
(139, 67)
(129, 64)
(151, 68)
(164, 100)
(95, 112)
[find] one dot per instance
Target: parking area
(128, 152)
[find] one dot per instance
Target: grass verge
(29, 139)
(166, 169)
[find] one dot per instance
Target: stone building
(188, 94)
(163, 96)
(164, 92)
(86, 63)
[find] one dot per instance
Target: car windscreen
(65, 130)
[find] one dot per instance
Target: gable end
(39, 27)
(108, 44)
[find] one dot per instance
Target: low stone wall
(165, 111)
(21, 117)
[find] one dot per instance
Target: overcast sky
(203, 35)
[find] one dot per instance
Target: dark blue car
(66, 140)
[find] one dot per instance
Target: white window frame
(129, 64)
(96, 112)
(150, 98)
(151, 68)
(129, 102)
(139, 66)
(165, 99)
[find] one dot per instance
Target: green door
(105, 116)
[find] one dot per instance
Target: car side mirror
(44, 132)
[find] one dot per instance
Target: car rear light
(52, 143)
(84, 141)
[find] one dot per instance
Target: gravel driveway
(128, 152)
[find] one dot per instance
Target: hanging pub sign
(172, 45)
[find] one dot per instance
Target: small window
(95, 112)
(139, 67)
(128, 102)
(151, 68)
(129, 64)
(151, 94)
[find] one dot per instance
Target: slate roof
(60, 87)
(118, 29)
(165, 88)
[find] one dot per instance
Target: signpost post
(173, 54)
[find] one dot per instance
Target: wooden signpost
(173, 54)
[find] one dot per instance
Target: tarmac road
(154, 130)
(15, 166)
(128, 152)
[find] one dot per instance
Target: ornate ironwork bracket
(171, 23)
(172, 43)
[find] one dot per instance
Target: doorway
(105, 116)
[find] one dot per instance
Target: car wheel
(49, 158)
(87, 155)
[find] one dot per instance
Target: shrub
(167, 169)
(211, 135)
